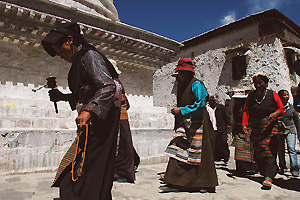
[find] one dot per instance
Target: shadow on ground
(285, 182)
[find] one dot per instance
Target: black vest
(264, 109)
(186, 97)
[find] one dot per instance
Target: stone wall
(34, 138)
(24, 151)
(213, 66)
(32, 65)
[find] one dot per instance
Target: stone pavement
(37, 186)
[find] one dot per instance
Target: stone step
(36, 123)
(19, 90)
(36, 112)
(22, 95)
(26, 151)
(10, 110)
(28, 102)
(149, 116)
(148, 124)
(69, 123)
(46, 104)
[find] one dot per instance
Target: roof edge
(251, 19)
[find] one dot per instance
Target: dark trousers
(221, 146)
(243, 167)
(127, 157)
(290, 140)
(267, 165)
(281, 151)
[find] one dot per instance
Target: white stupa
(101, 8)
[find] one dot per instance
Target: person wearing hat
(191, 161)
(262, 109)
(86, 170)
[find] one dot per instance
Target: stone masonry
(213, 65)
(34, 138)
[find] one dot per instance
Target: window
(238, 67)
(293, 59)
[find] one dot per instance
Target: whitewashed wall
(102, 8)
(33, 137)
(213, 66)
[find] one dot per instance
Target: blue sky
(183, 19)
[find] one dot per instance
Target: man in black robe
(86, 170)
